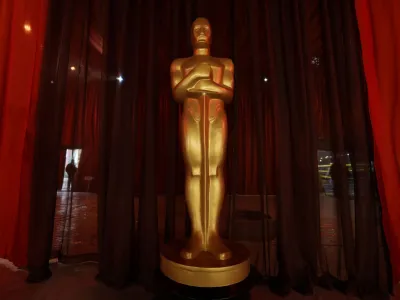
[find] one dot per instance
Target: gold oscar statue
(204, 84)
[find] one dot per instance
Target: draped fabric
(49, 116)
(88, 163)
(296, 57)
(22, 27)
(380, 37)
(299, 92)
(80, 123)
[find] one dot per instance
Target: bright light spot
(52, 82)
(265, 79)
(120, 78)
(72, 68)
(27, 28)
(315, 60)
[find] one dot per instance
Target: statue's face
(201, 33)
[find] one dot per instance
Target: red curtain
(22, 29)
(379, 23)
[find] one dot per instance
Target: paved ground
(77, 282)
(75, 227)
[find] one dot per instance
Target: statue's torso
(216, 65)
(196, 108)
(204, 120)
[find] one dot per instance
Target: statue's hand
(201, 77)
(202, 86)
(203, 70)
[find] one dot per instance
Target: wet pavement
(75, 224)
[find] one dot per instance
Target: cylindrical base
(171, 290)
(205, 270)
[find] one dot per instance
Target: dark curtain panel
(49, 116)
(75, 229)
(298, 141)
(295, 147)
(81, 112)
(316, 46)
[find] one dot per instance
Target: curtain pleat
(339, 170)
(292, 267)
(22, 30)
(148, 226)
(49, 115)
(379, 26)
(172, 135)
(116, 203)
(366, 206)
(256, 97)
(232, 145)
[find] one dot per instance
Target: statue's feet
(217, 248)
(193, 247)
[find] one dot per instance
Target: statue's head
(201, 33)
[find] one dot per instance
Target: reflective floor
(75, 224)
(78, 282)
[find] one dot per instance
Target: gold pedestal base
(205, 270)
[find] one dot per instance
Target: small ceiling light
(27, 28)
(265, 79)
(72, 68)
(120, 78)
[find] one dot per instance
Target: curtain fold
(256, 95)
(172, 134)
(49, 116)
(86, 178)
(295, 230)
(22, 28)
(116, 198)
(380, 39)
(352, 101)
(148, 225)
(304, 252)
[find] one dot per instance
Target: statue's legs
(191, 140)
(193, 201)
(204, 147)
(217, 150)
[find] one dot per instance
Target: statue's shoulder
(177, 63)
(228, 63)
